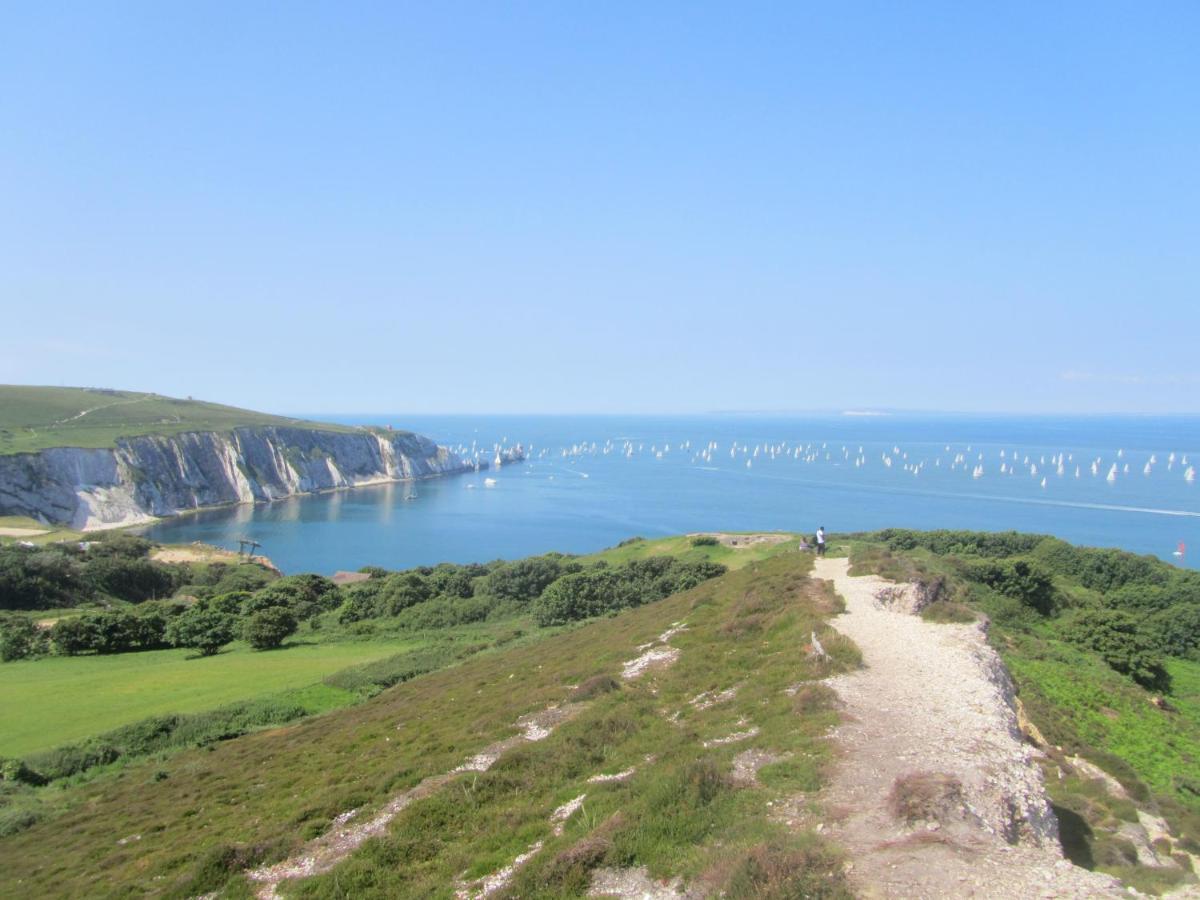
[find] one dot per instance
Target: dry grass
(926, 797)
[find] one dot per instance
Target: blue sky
(570, 207)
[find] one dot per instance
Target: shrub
(1017, 579)
(704, 540)
(20, 638)
(130, 579)
(926, 797)
(41, 578)
(594, 687)
(242, 577)
(16, 770)
(446, 612)
(779, 872)
(599, 590)
(206, 630)
(1000, 544)
(1101, 569)
(1175, 631)
(119, 545)
(113, 631)
(268, 628)
(526, 579)
(583, 595)
(449, 580)
(307, 596)
(1117, 637)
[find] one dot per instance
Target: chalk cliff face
(155, 476)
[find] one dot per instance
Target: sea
(590, 482)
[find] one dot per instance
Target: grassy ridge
(682, 547)
(195, 820)
(36, 418)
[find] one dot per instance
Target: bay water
(592, 481)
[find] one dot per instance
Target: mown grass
(195, 820)
(48, 534)
(683, 548)
(59, 699)
(35, 418)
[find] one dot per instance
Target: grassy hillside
(35, 418)
(193, 823)
(750, 547)
(1102, 646)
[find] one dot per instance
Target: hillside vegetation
(649, 712)
(1103, 647)
(98, 620)
(37, 418)
(665, 737)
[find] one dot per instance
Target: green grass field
(35, 418)
(49, 702)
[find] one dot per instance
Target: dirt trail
(934, 701)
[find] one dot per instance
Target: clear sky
(575, 207)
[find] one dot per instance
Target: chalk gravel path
(935, 699)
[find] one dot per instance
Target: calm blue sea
(592, 481)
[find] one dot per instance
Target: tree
(206, 630)
(267, 628)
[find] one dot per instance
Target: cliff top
(37, 418)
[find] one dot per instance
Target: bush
(998, 544)
(1175, 631)
(594, 687)
(449, 580)
(583, 595)
(1017, 579)
(242, 577)
(41, 578)
(1117, 637)
(778, 872)
(268, 628)
(307, 596)
(134, 580)
(1101, 569)
(206, 630)
(16, 770)
(401, 591)
(113, 631)
(20, 638)
(446, 612)
(119, 545)
(600, 590)
(526, 579)
(704, 540)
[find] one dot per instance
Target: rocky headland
(154, 476)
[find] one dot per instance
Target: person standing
(821, 541)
